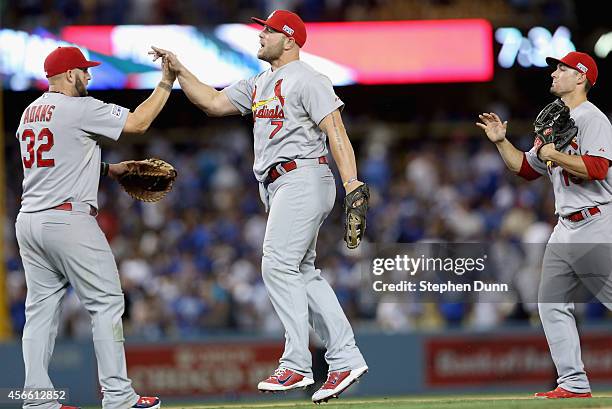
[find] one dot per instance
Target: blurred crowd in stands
(27, 14)
(190, 264)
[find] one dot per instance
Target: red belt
(68, 207)
(274, 174)
(579, 216)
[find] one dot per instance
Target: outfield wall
(229, 368)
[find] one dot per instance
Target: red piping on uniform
(596, 166)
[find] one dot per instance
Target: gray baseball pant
(578, 258)
(299, 201)
(59, 248)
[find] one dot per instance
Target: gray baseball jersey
(59, 136)
(578, 252)
(287, 105)
(594, 138)
(61, 157)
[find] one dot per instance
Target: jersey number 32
(33, 154)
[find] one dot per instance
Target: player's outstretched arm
(341, 150)
(205, 97)
(495, 130)
(140, 120)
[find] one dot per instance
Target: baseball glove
(355, 209)
(148, 180)
(554, 125)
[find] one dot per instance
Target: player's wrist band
(104, 167)
(351, 180)
(165, 85)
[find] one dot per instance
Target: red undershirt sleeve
(597, 167)
(526, 171)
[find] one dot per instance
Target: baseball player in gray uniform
(59, 239)
(579, 250)
(294, 108)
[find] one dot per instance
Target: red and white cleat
(284, 379)
(337, 382)
(69, 407)
(561, 393)
(148, 402)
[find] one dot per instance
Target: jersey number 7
(278, 125)
(30, 138)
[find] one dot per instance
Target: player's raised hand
(167, 74)
(493, 126)
(158, 52)
(168, 56)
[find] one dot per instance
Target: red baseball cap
(63, 59)
(286, 22)
(581, 62)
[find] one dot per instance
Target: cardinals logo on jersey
(260, 108)
(277, 92)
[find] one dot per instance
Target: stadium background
(189, 266)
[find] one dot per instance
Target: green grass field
(431, 402)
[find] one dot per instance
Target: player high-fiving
(60, 242)
(295, 111)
